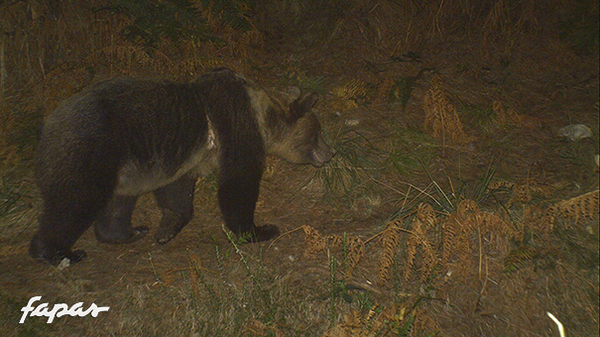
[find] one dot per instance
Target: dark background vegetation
(454, 206)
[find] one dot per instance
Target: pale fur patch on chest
(260, 103)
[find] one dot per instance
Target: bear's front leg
(176, 202)
(114, 224)
(237, 198)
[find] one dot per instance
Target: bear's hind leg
(114, 224)
(41, 249)
(176, 203)
(60, 226)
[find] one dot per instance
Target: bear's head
(291, 129)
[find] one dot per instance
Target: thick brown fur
(123, 137)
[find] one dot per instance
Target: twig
(282, 235)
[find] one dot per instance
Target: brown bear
(123, 137)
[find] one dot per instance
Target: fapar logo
(58, 310)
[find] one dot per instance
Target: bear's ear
(303, 104)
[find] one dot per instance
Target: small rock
(575, 132)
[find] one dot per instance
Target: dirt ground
(454, 206)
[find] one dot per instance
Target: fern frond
(574, 209)
(441, 117)
(390, 239)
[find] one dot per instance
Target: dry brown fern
(418, 240)
(470, 234)
(351, 93)
(378, 321)
(356, 250)
(457, 228)
(419, 237)
(315, 242)
(354, 323)
(196, 66)
(353, 246)
(574, 209)
(519, 257)
(441, 117)
(390, 239)
(522, 193)
(496, 230)
(509, 117)
(501, 184)
(450, 229)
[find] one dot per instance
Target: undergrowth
(483, 256)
